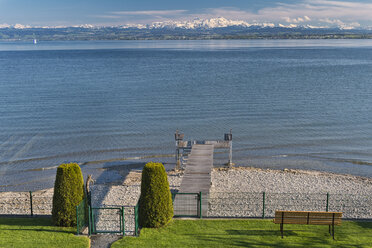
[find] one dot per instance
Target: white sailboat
(35, 41)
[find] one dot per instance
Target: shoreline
(35, 180)
(129, 173)
(238, 180)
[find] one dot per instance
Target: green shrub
(155, 204)
(68, 193)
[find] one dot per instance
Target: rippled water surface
(291, 104)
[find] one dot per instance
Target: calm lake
(303, 104)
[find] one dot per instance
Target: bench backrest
(307, 217)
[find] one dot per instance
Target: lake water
(303, 104)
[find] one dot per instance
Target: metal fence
(25, 203)
(106, 220)
(121, 220)
(82, 218)
(264, 204)
(187, 204)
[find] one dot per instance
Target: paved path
(103, 240)
(197, 178)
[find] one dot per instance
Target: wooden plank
(308, 217)
(197, 177)
(320, 212)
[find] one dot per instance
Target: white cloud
(296, 20)
(332, 21)
(341, 24)
(309, 12)
(107, 16)
(303, 12)
(316, 9)
(151, 12)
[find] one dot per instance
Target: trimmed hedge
(68, 193)
(155, 203)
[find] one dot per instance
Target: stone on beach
(239, 188)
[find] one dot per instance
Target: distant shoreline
(325, 37)
(218, 33)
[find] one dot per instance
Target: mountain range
(213, 28)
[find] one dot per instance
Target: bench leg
(281, 229)
(333, 231)
(329, 229)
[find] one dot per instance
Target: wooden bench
(308, 218)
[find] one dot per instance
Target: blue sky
(353, 13)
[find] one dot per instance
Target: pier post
(31, 208)
(178, 137)
(228, 137)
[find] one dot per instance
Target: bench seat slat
(307, 217)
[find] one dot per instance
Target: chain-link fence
(264, 204)
(121, 220)
(186, 204)
(25, 203)
(82, 218)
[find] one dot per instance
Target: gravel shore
(249, 179)
(236, 192)
(239, 192)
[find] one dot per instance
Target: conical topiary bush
(155, 204)
(68, 193)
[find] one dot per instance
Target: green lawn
(37, 232)
(249, 233)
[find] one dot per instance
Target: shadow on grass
(38, 230)
(32, 224)
(275, 241)
(26, 221)
(364, 224)
(260, 233)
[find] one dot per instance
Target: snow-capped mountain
(16, 26)
(210, 23)
(198, 23)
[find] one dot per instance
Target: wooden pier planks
(197, 176)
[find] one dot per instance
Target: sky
(346, 13)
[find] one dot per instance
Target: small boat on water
(35, 41)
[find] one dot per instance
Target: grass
(249, 233)
(37, 232)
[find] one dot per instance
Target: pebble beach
(228, 186)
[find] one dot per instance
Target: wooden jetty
(196, 179)
(197, 176)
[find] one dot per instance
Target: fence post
(32, 211)
(89, 222)
(120, 219)
(136, 220)
(77, 220)
(173, 196)
(200, 205)
(327, 206)
(122, 216)
(93, 221)
(263, 204)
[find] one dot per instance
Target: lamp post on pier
(228, 137)
(178, 137)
